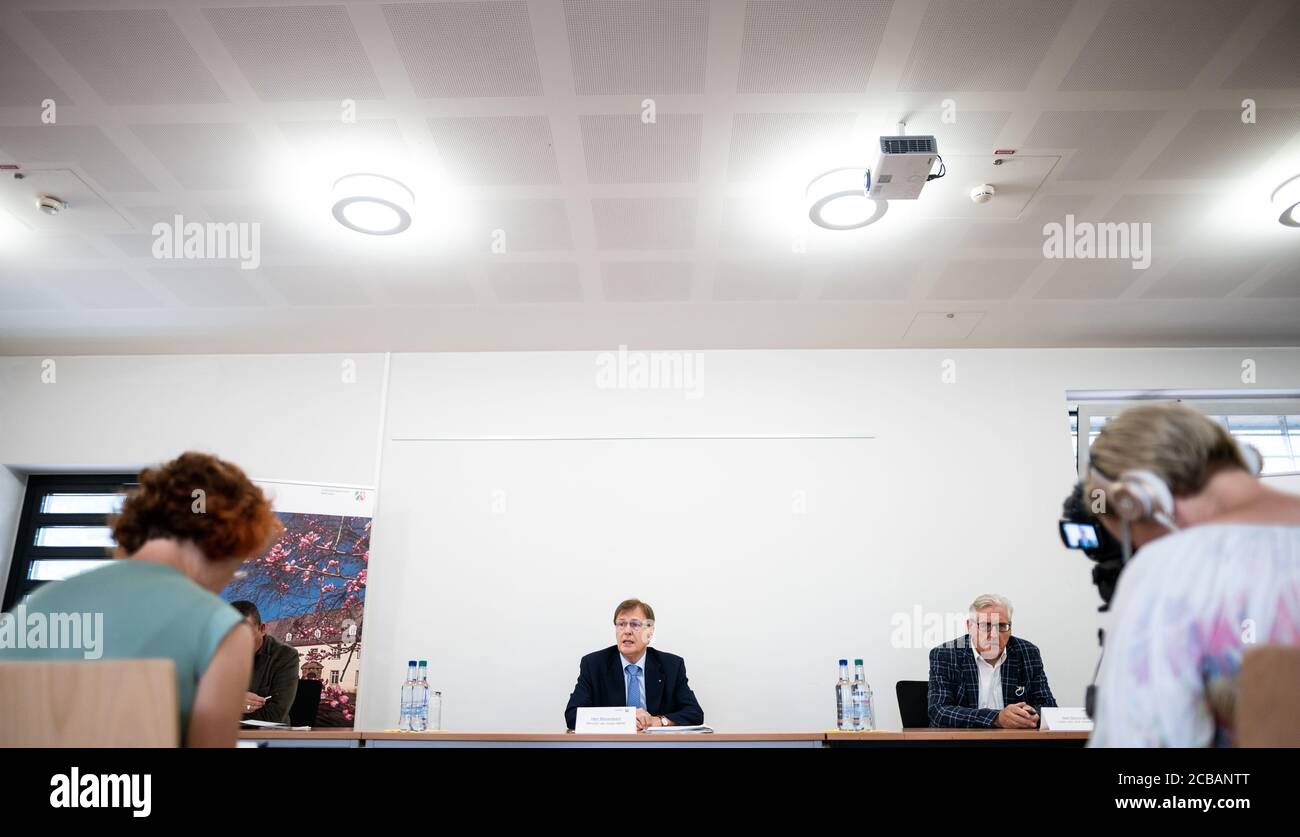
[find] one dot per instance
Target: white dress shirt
(990, 680)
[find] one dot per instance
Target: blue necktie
(633, 686)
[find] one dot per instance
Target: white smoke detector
(50, 205)
(983, 193)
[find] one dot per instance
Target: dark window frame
(31, 519)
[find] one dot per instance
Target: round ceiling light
(1289, 189)
(838, 200)
(372, 204)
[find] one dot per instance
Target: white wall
(957, 494)
(12, 486)
(280, 417)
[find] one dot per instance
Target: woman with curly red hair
(181, 537)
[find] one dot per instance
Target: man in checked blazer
(987, 678)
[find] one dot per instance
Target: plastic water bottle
(864, 709)
(404, 720)
(420, 700)
(844, 699)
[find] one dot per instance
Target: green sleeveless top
(150, 611)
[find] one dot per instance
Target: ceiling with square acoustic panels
(579, 174)
(625, 149)
(647, 281)
(517, 225)
(102, 289)
(24, 81)
(881, 281)
(130, 56)
(86, 145)
(1285, 284)
(644, 223)
(1271, 64)
(832, 52)
(1099, 141)
(546, 283)
(1154, 44)
(465, 50)
(418, 285)
(637, 46)
(496, 150)
(296, 53)
(968, 45)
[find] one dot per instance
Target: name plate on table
(1065, 719)
(606, 719)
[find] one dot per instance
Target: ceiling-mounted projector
(903, 167)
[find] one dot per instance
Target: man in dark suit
(987, 678)
(274, 681)
(628, 673)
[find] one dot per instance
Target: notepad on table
(271, 725)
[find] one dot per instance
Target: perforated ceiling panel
(982, 278)
(1173, 218)
(1285, 285)
(432, 284)
(24, 83)
(1154, 44)
(818, 47)
(982, 44)
(1027, 230)
(517, 226)
(1089, 279)
(466, 49)
(364, 142)
(323, 286)
(1272, 64)
(647, 281)
(208, 287)
(639, 47)
(1217, 145)
(624, 149)
(297, 52)
(1205, 277)
(84, 146)
(130, 56)
(59, 247)
(108, 289)
(21, 293)
(1102, 140)
(758, 281)
(505, 150)
(524, 282)
(205, 156)
(644, 223)
(885, 280)
(767, 144)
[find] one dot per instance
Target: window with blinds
(64, 529)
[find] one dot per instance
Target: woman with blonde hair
(1217, 570)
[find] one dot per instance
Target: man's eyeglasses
(634, 624)
(993, 627)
